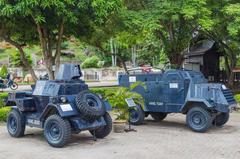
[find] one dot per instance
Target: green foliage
(117, 99)
(172, 22)
(3, 72)
(103, 91)
(42, 21)
(233, 13)
(3, 110)
(2, 97)
(91, 62)
(117, 95)
(3, 113)
(237, 98)
(16, 59)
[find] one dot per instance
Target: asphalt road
(169, 139)
(90, 84)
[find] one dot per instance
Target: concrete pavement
(169, 139)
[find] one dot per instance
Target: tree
(17, 31)
(173, 22)
(225, 31)
(50, 22)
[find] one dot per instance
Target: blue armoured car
(61, 107)
(181, 91)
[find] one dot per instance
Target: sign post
(131, 105)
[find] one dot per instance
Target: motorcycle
(9, 84)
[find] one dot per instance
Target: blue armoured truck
(181, 91)
(60, 107)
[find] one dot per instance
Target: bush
(3, 113)
(117, 98)
(2, 97)
(237, 98)
(103, 91)
(4, 71)
(91, 62)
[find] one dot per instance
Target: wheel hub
(133, 114)
(54, 132)
(13, 124)
(198, 119)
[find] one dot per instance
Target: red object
(146, 69)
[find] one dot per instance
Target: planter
(119, 126)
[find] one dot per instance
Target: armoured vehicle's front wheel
(158, 116)
(221, 119)
(57, 131)
(104, 130)
(16, 123)
(199, 119)
(136, 115)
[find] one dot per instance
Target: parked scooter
(9, 84)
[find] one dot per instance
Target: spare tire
(90, 106)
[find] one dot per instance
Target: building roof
(200, 48)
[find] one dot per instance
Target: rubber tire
(159, 116)
(141, 116)
(206, 115)
(104, 130)
(65, 127)
(20, 122)
(87, 112)
(221, 119)
(15, 85)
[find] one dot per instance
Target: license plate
(66, 107)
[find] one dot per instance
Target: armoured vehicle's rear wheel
(136, 115)
(57, 131)
(90, 106)
(16, 123)
(14, 86)
(199, 119)
(221, 119)
(104, 130)
(158, 116)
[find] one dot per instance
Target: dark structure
(204, 56)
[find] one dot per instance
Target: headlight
(63, 99)
(224, 87)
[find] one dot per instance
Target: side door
(173, 91)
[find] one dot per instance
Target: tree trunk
(233, 62)
(124, 65)
(25, 62)
(176, 60)
(58, 48)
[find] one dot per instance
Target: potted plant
(120, 107)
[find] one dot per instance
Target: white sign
(66, 107)
(173, 85)
(130, 102)
(132, 79)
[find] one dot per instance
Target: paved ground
(168, 139)
(90, 84)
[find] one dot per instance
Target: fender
(57, 108)
(202, 102)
